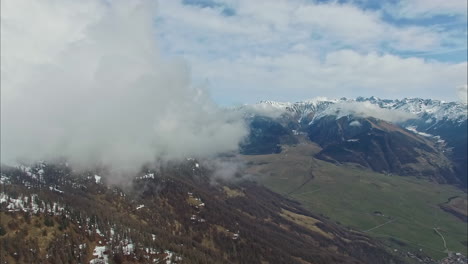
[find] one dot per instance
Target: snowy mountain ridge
(428, 109)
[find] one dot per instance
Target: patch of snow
(99, 232)
(3, 198)
(55, 189)
(4, 179)
(140, 206)
(151, 251)
(97, 178)
(168, 258)
(355, 123)
(101, 256)
(128, 249)
(30, 204)
(413, 129)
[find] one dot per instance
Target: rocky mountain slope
(173, 214)
(381, 146)
(410, 137)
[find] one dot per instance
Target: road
(375, 227)
(443, 239)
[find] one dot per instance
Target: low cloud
(226, 169)
(355, 123)
(462, 92)
(95, 89)
(367, 109)
(264, 109)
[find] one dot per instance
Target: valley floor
(404, 212)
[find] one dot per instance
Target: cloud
(226, 169)
(426, 8)
(355, 123)
(367, 31)
(284, 22)
(291, 50)
(85, 80)
(366, 109)
(263, 109)
(296, 76)
(462, 92)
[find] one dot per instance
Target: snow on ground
(36, 173)
(413, 129)
(52, 188)
(148, 175)
(169, 257)
(29, 204)
(101, 256)
(128, 249)
(4, 179)
(99, 232)
(97, 178)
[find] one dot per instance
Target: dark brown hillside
(382, 147)
(173, 214)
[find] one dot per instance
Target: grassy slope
(350, 195)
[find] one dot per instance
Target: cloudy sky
(85, 80)
(123, 82)
(244, 51)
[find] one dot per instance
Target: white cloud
(276, 22)
(366, 109)
(264, 109)
(341, 73)
(355, 123)
(425, 8)
(291, 50)
(462, 92)
(85, 80)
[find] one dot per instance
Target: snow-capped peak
(429, 109)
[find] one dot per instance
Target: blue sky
(244, 51)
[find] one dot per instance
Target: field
(403, 212)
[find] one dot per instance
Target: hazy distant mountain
(420, 137)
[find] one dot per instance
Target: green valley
(404, 212)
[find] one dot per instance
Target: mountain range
(420, 137)
(314, 181)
